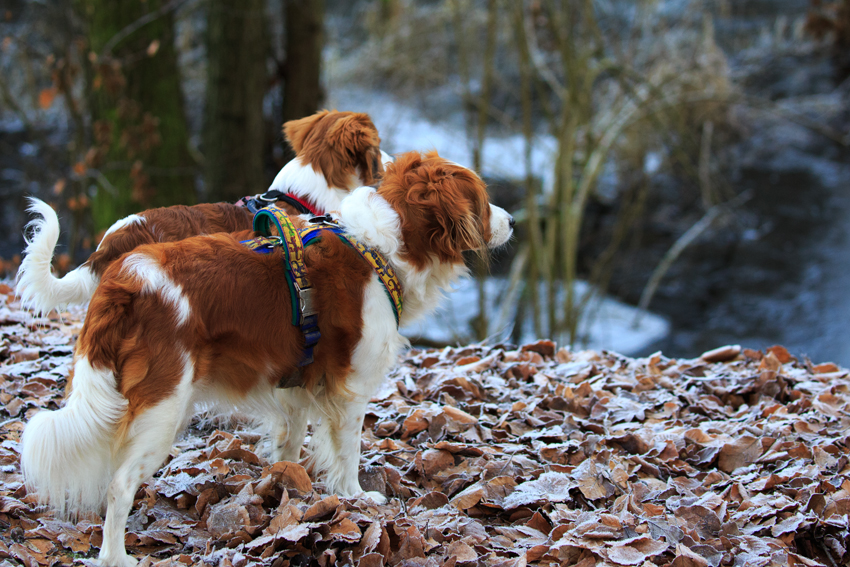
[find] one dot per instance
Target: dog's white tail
(67, 455)
(37, 287)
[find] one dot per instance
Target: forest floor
(490, 455)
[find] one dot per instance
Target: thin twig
(102, 179)
(138, 24)
(517, 274)
(10, 101)
(537, 60)
(705, 163)
(510, 460)
(679, 246)
(798, 118)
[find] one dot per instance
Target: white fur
(304, 181)
(424, 288)
(369, 218)
(155, 280)
(287, 436)
(37, 287)
(66, 455)
(148, 443)
(119, 224)
(386, 158)
(335, 445)
(500, 226)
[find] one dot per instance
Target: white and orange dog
(206, 319)
(336, 152)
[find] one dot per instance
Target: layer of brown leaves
(490, 456)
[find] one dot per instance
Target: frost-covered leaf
(488, 455)
(549, 487)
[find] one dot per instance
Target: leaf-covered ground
(490, 456)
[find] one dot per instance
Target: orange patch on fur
(168, 224)
(239, 333)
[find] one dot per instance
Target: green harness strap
(293, 241)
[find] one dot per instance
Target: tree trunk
(140, 134)
(302, 91)
(234, 130)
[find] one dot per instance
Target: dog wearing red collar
(336, 152)
(207, 320)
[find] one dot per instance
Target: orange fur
(337, 145)
(439, 205)
(240, 323)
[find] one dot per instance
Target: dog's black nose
(512, 223)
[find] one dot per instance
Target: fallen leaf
(292, 475)
(722, 354)
(46, 96)
(636, 550)
(550, 487)
(322, 508)
(738, 453)
(781, 353)
(462, 552)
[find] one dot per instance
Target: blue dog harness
(293, 241)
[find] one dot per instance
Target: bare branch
(138, 24)
(679, 246)
(705, 163)
(538, 62)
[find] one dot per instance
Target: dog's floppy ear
(372, 166)
(354, 132)
(452, 227)
(355, 138)
(296, 131)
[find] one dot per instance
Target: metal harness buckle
(306, 302)
(323, 219)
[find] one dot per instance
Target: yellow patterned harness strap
(289, 240)
(379, 263)
(293, 241)
(304, 313)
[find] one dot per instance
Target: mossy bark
(137, 109)
(302, 89)
(237, 46)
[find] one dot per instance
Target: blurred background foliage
(680, 156)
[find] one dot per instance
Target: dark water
(779, 271)
(784, 278)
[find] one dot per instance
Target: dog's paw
(374, 496)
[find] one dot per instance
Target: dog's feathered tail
(67, 455)
(37, 287)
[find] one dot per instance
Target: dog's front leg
(289, 431)
(335, 448)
